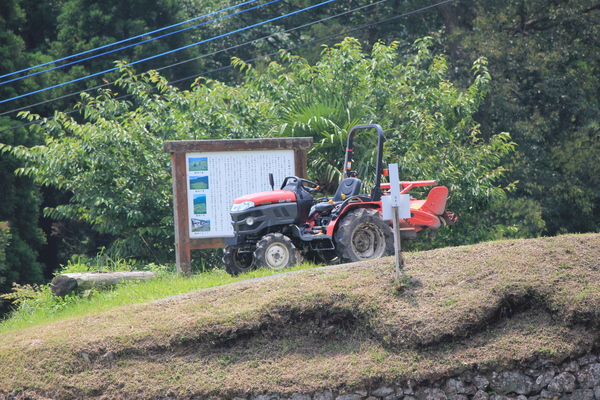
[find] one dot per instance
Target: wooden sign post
(209, 174)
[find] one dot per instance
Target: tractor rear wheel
(237, 260)
(363, 235)
(276, 251)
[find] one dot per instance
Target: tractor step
(330, 245)
(408, 233)
(309, 235)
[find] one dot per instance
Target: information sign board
(209, 174)
(215, 179)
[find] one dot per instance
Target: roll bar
(376, 191)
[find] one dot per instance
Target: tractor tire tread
(233, 265)
(260, 254)
(349, 225)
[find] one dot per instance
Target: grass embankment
(341, 328)
(40, 306)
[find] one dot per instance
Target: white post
(395, 203)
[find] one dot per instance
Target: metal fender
(352, 206)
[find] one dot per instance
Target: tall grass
(37, 305)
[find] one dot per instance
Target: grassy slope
(339, 328)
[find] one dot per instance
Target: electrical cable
(127, 40)
(54, 99)
(203, 56)
(319, 40)
(380, 22)
(136, 44)
(264, 38)
(236, 46)
(167, 52)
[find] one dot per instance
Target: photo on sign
(198, 182)
(198, 164)
(200, 225)
(199, 204)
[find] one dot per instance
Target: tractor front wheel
(276, 251)
(237, 260)
(363, 235)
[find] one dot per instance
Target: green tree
(87, 24)
(428, 120)
(113, 164)
(4, 240)
(20, 200)
(20, 237)
(33, 32)
(544, 58)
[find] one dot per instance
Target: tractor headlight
(236, 207)
(249, 221)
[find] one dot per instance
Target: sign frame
(179, 150)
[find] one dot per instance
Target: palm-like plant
(327, 118)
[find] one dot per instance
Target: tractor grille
(281, 212)
(243, 216)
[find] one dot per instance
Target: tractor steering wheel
(299, 183)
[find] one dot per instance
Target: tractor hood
(265, 198)
(253, 214)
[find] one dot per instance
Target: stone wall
(575, 379)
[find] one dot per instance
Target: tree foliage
(35, 32)
(545, 61)
(113, 164)
(542, 55)
(4, 240)
(19, 199)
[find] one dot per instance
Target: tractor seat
(348, 187)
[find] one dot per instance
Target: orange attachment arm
(407, 185)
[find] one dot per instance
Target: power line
(204, 56)
(319, 40)
(135, 44)
(384, 21)
(252, 59)
(264, 38)
(243, 44)
(167, 52)
(54, 99)
(126, 40)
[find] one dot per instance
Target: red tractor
(279, 228)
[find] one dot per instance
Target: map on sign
(215, 179)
